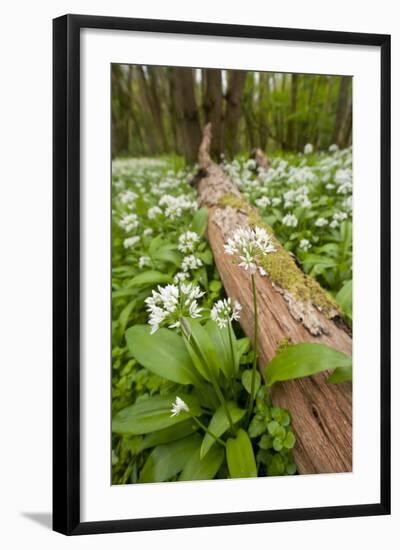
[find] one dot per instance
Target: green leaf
(201, 348)
(229, 363)
(341, 374)
(345, 299)
(243, 346)
(302, 360)
(163, 353)
(165, 254)
(167, 435)
(199, 222)
(289, 440)
(152, 414)
(124, 315)
(165, 461)
(203, 468)
(150, 278)
(240, 456)
(247, 378)
(219, 423)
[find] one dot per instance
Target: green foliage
(219, 424)
(240, 456)
(301, 360)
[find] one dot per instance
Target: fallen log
(292, 307)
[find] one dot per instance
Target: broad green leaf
(203, 468)
(165, 461)
(167, 435)
(240, 456)
(163, 353)
(302, 360)
(150, 278)
(199, 222)
(124, 315)
(218, 425)
(341, 374)
(247, 379)
(345, 298)
(243, 346)
(227, 355)
(165, 254)
(152, 414)
(203, 346)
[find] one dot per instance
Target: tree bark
(186, 111)
(321, 412)
(233, 108)
(293, 108)
(212, 105)
(341, 112)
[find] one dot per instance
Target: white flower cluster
(305, 245)
(308, 149)
(187, 241)
(175, 206)
(262, 202)
(290, 220)
(343, 178)
(169, 303)
(143, 261)
(321, 222)
(128, 197)
(129, 222)
(249, 245)
(131, 241)
(153, 212)
(224, 311)
(179, 406)
(191, 263)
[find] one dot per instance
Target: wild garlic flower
(143, 261)
(191, 263)
(305, 245)
(333, 148)
(180, 276)
(290, 220)
(175, 206)
(153, 212)
(224, 311)
(308, 149)
(168, 304)
(178, 406)
(321, 222)
(129, 222)
(249, 245)
(128, 197)
(188, 241)
(131, 241)
(262, 202)
(148, 232)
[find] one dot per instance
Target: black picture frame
(66, 273)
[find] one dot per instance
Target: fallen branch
(292, 308)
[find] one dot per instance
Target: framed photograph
(221, 274)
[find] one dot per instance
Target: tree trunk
(341, 112)
(186, 111)
(212, 105)
(263, 97)
(321, 412)
(232, 113)
(293, 108)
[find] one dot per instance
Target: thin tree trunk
(186, 111)
(263, 110)
(212, 105)
(233, 108)
(341, 108)
(321, 412)
(293, 108)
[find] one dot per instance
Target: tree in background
(161, 110)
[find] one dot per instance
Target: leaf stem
(203, 427)
(255, 349)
